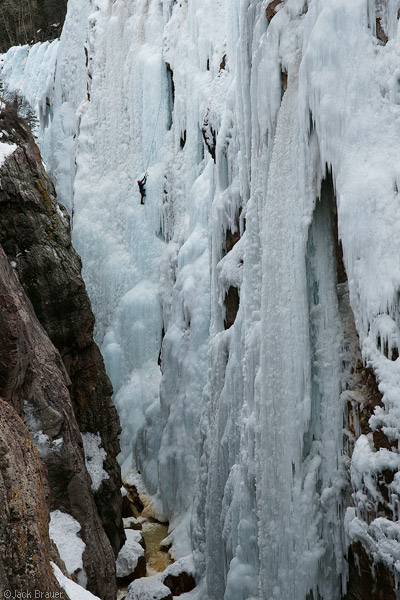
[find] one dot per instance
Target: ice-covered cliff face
(266, 252)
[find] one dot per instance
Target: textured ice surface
(240, 427)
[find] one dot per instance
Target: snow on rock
(130, 553)
(179, 577)
(132, 523)
(6, 150)
(42, 441)
(148, 588)
(63, 530)
(380, 538)
(95, 455)
(73, 590)
(185, 564)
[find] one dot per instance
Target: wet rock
(35, 234)
(33, 380)
(380, 32)
(25, 548)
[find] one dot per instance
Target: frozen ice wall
(269, 132)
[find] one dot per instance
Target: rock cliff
(24, 547)
(60, 390)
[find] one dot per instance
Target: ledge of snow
(63, 530)
(73, 590)
(95, 456)
(129, 554)
(6, 150)
(183, 565)
(148, 588)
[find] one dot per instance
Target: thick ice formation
(240, 426)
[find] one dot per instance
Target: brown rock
(24, 514)
(33, 380)
(179, 584)
(380, 32)
(127, 508)
(134, 499)
(366, 580)
(138, 573)
(222, 64)
(271, 9)
(35, 233)
(231, 239)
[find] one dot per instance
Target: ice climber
(141, 184)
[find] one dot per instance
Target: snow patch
(63, 530)
(73, 590)
(183, 565)
(5, 151)
(95, 455)
(148, 588)
(129, 554)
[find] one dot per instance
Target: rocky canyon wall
(52, 373)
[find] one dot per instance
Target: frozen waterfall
(225, 305)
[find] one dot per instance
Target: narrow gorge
(200, 391)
